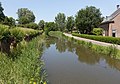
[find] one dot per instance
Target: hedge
(106, 39)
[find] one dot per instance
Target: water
(69, 63)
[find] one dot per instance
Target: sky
(47, 9)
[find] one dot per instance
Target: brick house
(111, 24)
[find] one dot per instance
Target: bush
(27, 31)
(17, 34)
(4, 32)
(32, 25)
(11, 37)
(106, 39)
(97, 31)
(112, 51)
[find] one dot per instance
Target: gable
(112, 16)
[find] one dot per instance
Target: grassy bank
(24, 65)
(11, 37)
(111, 51)
(16, 32)
(56, 34)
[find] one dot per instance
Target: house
(111, 24)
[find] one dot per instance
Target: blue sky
(48, 9)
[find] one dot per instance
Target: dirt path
(92, 41)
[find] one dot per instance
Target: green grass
(56, 33)
(26, 67)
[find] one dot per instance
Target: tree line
(83, 22)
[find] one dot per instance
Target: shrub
(89, 44)
(97, 31)
(106, 39)
(28, 31)
(4, 32)
(4, 39)
(17, 34)
(32, 25)
(13, 36)
(112, 51)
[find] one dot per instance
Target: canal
(69, 63)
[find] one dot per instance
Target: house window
(114, 33)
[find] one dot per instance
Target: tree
(9, 21)
(70, 23)
(23, 20)
(87, 19)
(50, 26)
(60, 21)
(41, 24)
(25, 16)
(12, 21)
(2, 16)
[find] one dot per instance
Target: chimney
(118, 6)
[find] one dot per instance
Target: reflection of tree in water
(86, 56)
(64, 44)
(70, 46)
(49, 40)
(61, 45)
(113, 63)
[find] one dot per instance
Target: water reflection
(84, 55)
